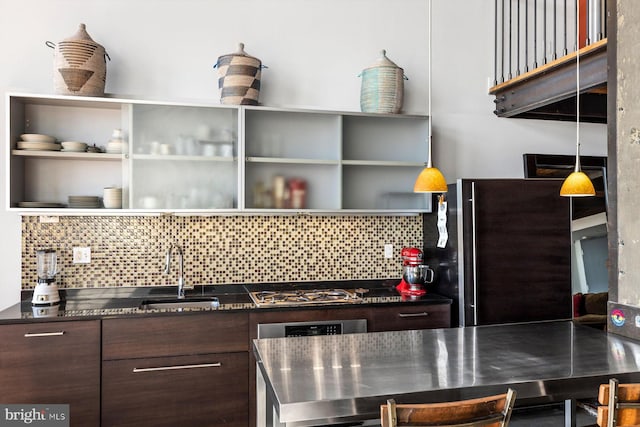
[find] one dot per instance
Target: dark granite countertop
(125, 301)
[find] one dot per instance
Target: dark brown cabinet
(53, 363)
(163, 370)
(176, 370)
(402, 318)
(174, 335)
(202, 390)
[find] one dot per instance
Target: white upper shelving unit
(195, 158)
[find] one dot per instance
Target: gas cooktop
(300, 297)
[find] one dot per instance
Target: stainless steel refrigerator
(508, 255)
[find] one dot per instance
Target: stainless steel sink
(180, 304)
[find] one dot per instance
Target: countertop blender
(414, 273)
(46, 290)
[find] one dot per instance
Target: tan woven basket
(79, 66)
(382, 89)
(239, 77)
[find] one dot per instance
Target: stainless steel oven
(307, 329)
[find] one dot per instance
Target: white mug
(154, 147)
(149, 202)
(226, 150)
(112, 197)
(112, 204)
(209, 150)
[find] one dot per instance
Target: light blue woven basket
(382, 89)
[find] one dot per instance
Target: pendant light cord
(429, 162)
(430, 179)
(577, 169)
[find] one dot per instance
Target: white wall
(314, 50)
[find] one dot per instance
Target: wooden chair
(619, 404)
(493, 411)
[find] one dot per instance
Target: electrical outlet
(81, 255)
(388, 251)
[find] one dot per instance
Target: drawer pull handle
(44, 334)
(177, 367)
(423, 314)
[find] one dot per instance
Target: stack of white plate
(112, 198)
(84, 202)
(38, 142)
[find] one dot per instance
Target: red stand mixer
(414, 273)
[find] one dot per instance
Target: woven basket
(79, 66)
(239, 78)
(382, 89)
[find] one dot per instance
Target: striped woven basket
(239, 78)
(382, 89)
(80, 66)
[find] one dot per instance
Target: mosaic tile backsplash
(130, 251)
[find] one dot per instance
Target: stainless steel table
(330, 379)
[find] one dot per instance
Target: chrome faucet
(167, 269)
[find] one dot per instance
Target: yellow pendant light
(430, 179)
(577, 184)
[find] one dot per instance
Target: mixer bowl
(417, 274)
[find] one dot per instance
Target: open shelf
(347, 162)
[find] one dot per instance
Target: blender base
(45, 294)
(405, 289)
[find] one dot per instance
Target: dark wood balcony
(529, 33)
(549, 92)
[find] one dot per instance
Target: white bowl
(37, 137)
(74, 146)
(115, 147)
(112, 204)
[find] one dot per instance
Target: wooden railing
(531, 33)
(535, 58)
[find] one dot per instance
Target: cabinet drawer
(204, 390)
(53, 362)
(174, 335)
(398, 318)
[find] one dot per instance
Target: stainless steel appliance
(508, 257)
(301, 297)
(308, 329)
